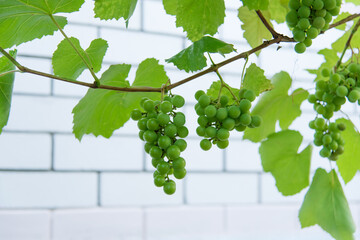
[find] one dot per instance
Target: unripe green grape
(204, 100)
(307, 2)
(152, 114)
(136, 114)
(292, 18)
(245, 105)
(320, 13)
(222, 134)
(241, 93)
(150, 136)
(159, 181)
(333, 145)
(141, 135)
(340, 149)
(300, 47)
(256, 120)
(200, 131)
(294, 4)
(317, 142)
(210, 132)
(240, 128)
(205, 144)
(152, 124)
(335, 135)
(156, 161)
(199, 110)
(312, 32)
(202, 121)
(163, 119)
(350, 82)
(307, 42)
(173, 152)
(330, 107)
(155, 152)
(333, 157)
(245, 119)
(179, 119)
(353, 68)
(228, 124)
(312, 98)
(198, 94)
(149, 105)
(178, 101)
(328, 98)
(250, 95)
(142, 124)
(181, 143)
(325, 152)
(353, 96)
(164, 142)
(325, 72)
(319, 22)
(142, 101)
(210, 111)
(170, 130)
(321, 85)
(328, 114)
(180, 174)
(182, 131)
(169, 187)
(341, 91)
(224, 100)
(329, 4)
(312, 124)
(167, 98)
(166, 106)
(179, 163)
(221, 114)
(234, 112)
(147, 147)
(303, 24)
(341, 126)
(327, 18)
(299, 35)
(318, 4)
(333, 127)
(318, 135)
(335, 11)
(326, 139)
(163, 167)
(319, 123)
(339, 100)
(222, 144)
(338, 3)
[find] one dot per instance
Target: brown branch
(345, 20)
(267, 24)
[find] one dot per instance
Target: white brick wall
(52, 187)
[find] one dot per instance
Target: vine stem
(348, 43)
(97, 82)
(279, 39)
(267, 24)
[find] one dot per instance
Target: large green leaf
(6, 87)
(193, 59)
(278, 10)
(101, 112)
(256, 4)
(349, 162)
(325, 204)
(67, 63)
(22, 21)
(200, 17)
(255, 80)
(276, 105)
(170, 6)
(214, 89)
(279, 155)
(255, 31)
(110, 9)
(331, 59)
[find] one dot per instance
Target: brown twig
(267, 25)
(345, 20)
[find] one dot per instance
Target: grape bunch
(308, 18)
(162, 128)
(330, 94)
(217, 117)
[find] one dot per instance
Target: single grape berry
(300, 47)
(169, 187)
(205, 144)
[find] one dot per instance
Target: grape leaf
(213, 91)
(279, 156)
(356, 2)
(340, 17)
(256, 4)
(22, 21)
(278, 10)
(325, 204)
(200, 17)
(193, 59)
(170, 6)
(331, 59)
(110, 9)
(255, 31)
(349, 162)
(101, 112)
(339, 44)
(276, 105)
(255, 80)
(6, 88)
(67, 63)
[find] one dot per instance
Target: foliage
(111, 99)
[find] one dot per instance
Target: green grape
(312, 98)
(204, 100)
(327, 18)
(325, 72)
(319, 22)
(350, 82)
(178, 101)
(328, 114)
(320, 109)
(210, 111)
(333, 157)
(173, 152)
(328, 98)
(234, 112)
(335, 11)
(141, 135)
(224, 100)
(318, 4)
(256, 121)
(329, 4)
(241, 93)
(149, 105)
(155, 152)
(292, 18)
(180, 173)
(202, 121)
(152, 124)
(339, 100)
(147, 147)
(354, 95)
(167, 98)
(300, 47)
(156, 161)
(319, 123)
(221, 114)
(250, 95)
(142, 124)
(320, 13)
(170, 130)
(142, 101)
(163, 167)
(166, 106)
(179, 163)
(340, 149)
(240, 128)
(159, 181)
(312, 32)
(245, 119)
(164, 142)
(307, 2)
(317, 142)
(163, 119)
(179, 119)
(152, 114)
(199, 110)
(341, 91)
(169, 187)
(150, 136)
(136, 114)
(182, 131)
(294, 4)
(200, 131)
(304, 12)
(303, 23)
(341, 126)
(228, 124)
(210, 132)
(334, 145)
(205, 144)
(245, 105)
(299, 35)
(223, 134)
(181, 143)
(321, 85)
(307, 42)
(352, 68)
(335, 135)
(333, 127)
(338, 3)
(198, 94)
(326, 139)
(325, 152)
(312, 124)
(222, 144)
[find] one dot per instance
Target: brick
(129, 189)
(29, 225)
(134, 47)
(116, 153)
(243, 155)
(47, 190)
(187, 222)
(41, 113)
(92, 224)
(219, 188)
(25, 151)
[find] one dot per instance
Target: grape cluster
(217, 117)
(308, 18)
(330, 94)
(162, 128)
